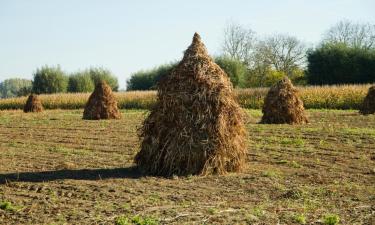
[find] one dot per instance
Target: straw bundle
(368, 105)
(282, 105)
(33, 104)
(102, 104)
(196, 126)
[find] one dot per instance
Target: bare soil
(56, 168)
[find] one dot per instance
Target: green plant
(122, 220)
(138, 220)
(331, 219)
(299, 218)
(7, 206)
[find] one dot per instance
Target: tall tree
(50, 80)
(283, 52)
(357, 35)
(238, 42)
(15, 87)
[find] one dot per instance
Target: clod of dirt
(368, 105)
(102, 104)
(33, 104)
(283, 105)
(196, 126)
(65, 166)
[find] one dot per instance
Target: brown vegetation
(283, 105)
(102, 104)
(368, 105)
(196, 126)
(33, 104)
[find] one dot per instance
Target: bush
(101, 74)
(235, 69)
(15, 87)
(147, 79)
(263, 77)
(49, 80)
(80, 82)
(340, 64)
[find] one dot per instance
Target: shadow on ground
(80, 174)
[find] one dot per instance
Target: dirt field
(56, 168)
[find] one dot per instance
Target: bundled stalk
(283, 105)
(196, 126)
(33, 104)
(102, 104)
(368, 105)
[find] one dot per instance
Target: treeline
(345, 55)
(52, 79)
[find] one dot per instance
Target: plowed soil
(56, 168)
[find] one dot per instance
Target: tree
(340, 64)
(356, 35)
(235, 69)
(49, 80)
(147, 79)
(15, 87)
(238, 42)
(80, 82)
(283, 52)
(100, 74)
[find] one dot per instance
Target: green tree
(98, 74)
(264, 76)
(15, 87)
(338, 63)
(49, 80)
(80, 82)
(147, 79)
(235, 69)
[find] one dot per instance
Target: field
(56, 168)
(314, 97)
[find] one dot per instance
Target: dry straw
(196, 126)
(283, 105)
(368, 105)
(33, 104)
(102, 104)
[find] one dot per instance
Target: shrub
(331, 219)
(49, 80)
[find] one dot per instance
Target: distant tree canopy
(49, 80)
(80, 82)
(338, 63)
(355, 35)
(147, 79)
(100, 74)
(235, 69)
(84, 81)
(15, 87)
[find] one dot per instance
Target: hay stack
(368, 105)
(33, 104)
(196, 126)
(102, 104)
(282, 105)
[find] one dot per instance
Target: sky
(126, 36)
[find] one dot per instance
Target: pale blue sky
(127, 36)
